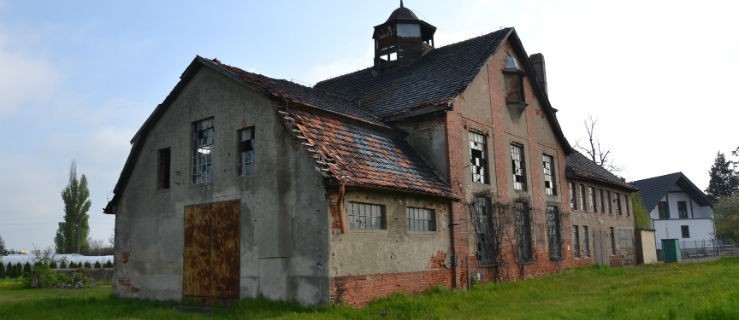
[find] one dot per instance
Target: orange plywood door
(211, 255)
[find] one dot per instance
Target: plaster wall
(394, 249)
(283, 213)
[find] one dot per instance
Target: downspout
(340, 205)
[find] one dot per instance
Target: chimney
(537, 61)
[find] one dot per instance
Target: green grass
(707, 290)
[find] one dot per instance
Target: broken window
(478, 157)
(246, 151)
(610, 208)
(627, 205)
(484, 227)
(519, 167)
(602, 202)
(613, 241)
(163, 168)
(626, 239)
(573, 196)
(202, 147)
(420, 219)
(549, 179)
(366, 216)
(685, 230)
(618, 204)
(575, 241)
(553, 228)
(682, 209)
(591, 201)
(585, 241)
(583, 199)
(664, 210)
(523, 223)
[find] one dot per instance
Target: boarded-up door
(211, 257)
(602, 254)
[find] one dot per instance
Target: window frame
(573, 195)
(525, 236)
(583, 197)
(549, 175)
(682, 213)
(685, 231)
(518, 167)
(576, 241)
(202, 154)
(479, 165)
(246, 146)
(413, 221)
(592, 203)
(663, 210)
(485, 225)
(164, 168)
(554, 232)
(586, 240)
(353, 213)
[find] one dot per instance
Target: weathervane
(401, 3)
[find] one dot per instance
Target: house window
(523, 222)
(163, 168)
(602, 202)
(682, 209)
(575, 241)
(618, 204)
(420, 219)
(246, 151)
(585, 241)
(664, 210)
(610, 207)
(591, 197)
(484, 227)
(549, 179)
(519, 167)
(366, 216)
(612, 233)
(573, 196)
(627, 205)
(553, 228)
(513, 81)
(202, 148)
(478, 157)
(685, 230)
(626, 239)
(583, 199)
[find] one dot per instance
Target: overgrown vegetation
(641, 215)
(674, 291)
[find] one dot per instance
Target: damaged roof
(579, 167)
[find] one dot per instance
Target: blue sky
(77, 78)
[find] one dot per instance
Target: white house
(679, 210)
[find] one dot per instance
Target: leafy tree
(724, 180)
(71, 236)
(27, 268)
(97, 265)
(726, 215)
(2, 270)
(2, 246)
(10, 271)
(88, 265)
(63, 265)
(108, 264)
(52, 264)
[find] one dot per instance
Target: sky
(78, 78)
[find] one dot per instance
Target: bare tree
(594, 150)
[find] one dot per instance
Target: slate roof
(436, 78)
(580, 167)
(653, 189)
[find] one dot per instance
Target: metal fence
(695, 250)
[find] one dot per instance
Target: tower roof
(402, 13)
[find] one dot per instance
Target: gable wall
(482, 108)
(283, 212)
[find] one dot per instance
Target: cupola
(402, 39)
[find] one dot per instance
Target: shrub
(97, 265)
(2, 270)
(10, 271)
(72, 265)
(88, 265)
(27, 269)
(63, 265)
(52, 265)
(49, 278)
(109, 264)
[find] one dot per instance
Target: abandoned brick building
(434, 166)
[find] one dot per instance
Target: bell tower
(402, 39)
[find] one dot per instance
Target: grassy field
(676, 291)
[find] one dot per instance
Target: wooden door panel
(211, 252)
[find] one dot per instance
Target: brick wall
(360, 290)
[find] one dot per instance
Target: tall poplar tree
(71, 236)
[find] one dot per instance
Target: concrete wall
(365, 264)
(284, 218)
